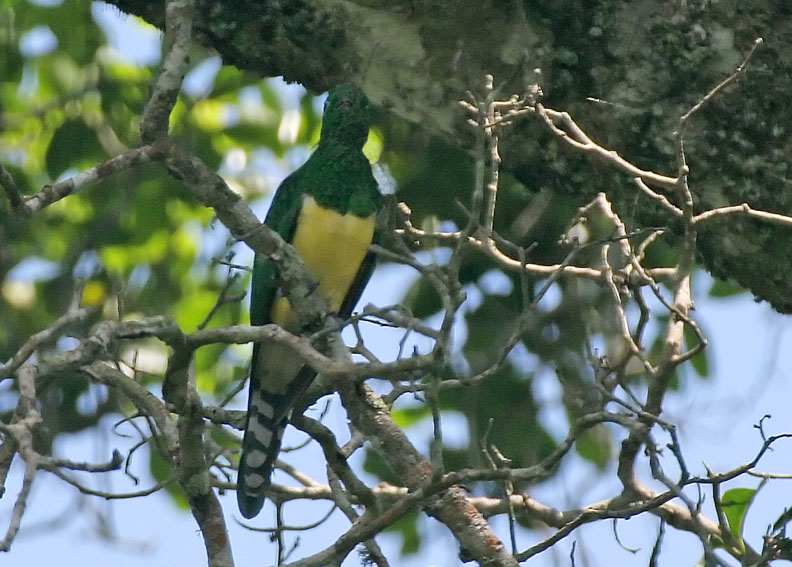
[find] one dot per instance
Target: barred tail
(273, 369)
(260, 448)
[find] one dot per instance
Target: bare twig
(19, 507)
(178, 39)
(720, 86)
(744, 209)
(73, 185)
(49, 334)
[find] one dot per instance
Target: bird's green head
(346, 117)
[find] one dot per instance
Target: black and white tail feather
(260, 447)
(267, 417)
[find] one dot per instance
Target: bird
(327, 211)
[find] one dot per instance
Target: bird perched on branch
(326, 209)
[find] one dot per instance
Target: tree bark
(646, 63)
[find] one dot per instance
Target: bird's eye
(346, 103)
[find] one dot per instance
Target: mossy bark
(648, 61)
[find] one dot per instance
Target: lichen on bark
(648, 61)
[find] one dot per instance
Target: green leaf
(210, 115)
(407, 525)
(11, 61)
(270, 98)
(230, 79)
(162, 471)
(594, 445)
(74, 145)
(250, 135)
(498, 408)
(422, 299)
(375, 464)
(735, 504)
(64, 20)
(405, 417)
(311, 122)
(725, 288)
(700, 363)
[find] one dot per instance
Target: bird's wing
(266, 415)
(282, 218)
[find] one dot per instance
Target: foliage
(143, 245)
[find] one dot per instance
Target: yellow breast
(333, 247)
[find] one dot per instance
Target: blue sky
(750, 348)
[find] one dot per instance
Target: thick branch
(370, 416)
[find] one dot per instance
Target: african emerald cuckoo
(326, 209)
